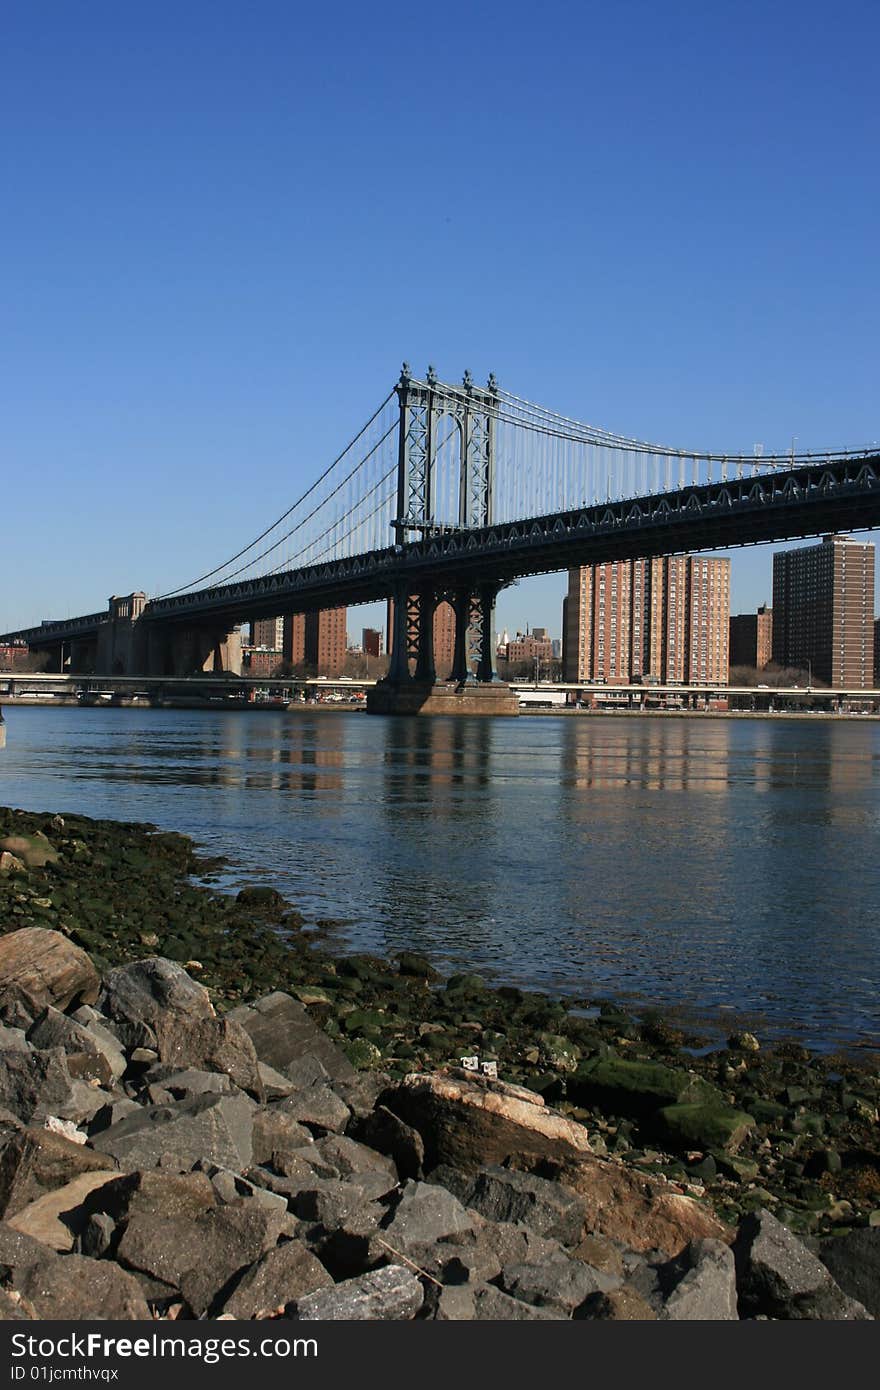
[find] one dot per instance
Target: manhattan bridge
(449, 493)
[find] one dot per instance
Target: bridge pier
(412, 687)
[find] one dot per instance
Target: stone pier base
(418, 697)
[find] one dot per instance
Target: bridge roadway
(806, 500)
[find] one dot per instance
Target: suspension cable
(231, 561)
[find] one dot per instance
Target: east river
(725, 867)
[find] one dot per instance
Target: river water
(725, 867)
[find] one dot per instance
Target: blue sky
(225, 226)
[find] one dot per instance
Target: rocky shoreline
(212, 1115)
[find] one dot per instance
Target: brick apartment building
(751, 638)
(823, 611)
(664, 620)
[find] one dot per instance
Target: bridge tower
(445, 478)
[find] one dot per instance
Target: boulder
(213, 1127)
(36, 1161)
(200, 1256)
(854, 1263)
(703, 1126)
(349, 1159)
(33, 851)
(383, 1295)
(425, 1214)
(547, 1208)
(14, 1308)
(276, 1136)
(386, 1132)
(471, 1122)
(491, 1305)
(57, 1218)
(318, 1106)
(283, 1032)
(560, 1284)
(288, 1272)
(622, 1087)
(18, 1251)
(51, 1028)
(47, 967)
(210, 1044)
(638, 1211)
(153, 991)
(619, 1305)
(778, 1277)
(706, 1288)
(152, 1192)
(68, 1288)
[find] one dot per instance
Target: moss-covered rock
(703, 1126)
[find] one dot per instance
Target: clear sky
(226, 224)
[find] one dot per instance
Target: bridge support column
(398, 669)
(486, 670)
(426, 670)
(461, 607)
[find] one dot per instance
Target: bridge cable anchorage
(210, 573)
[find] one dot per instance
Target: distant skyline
(226, 227)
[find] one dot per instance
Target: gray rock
(491, 1305)
(706, 1291)
(854, 1263)
(778, 1276)
(383, 1295)
(54, 1029)
(333, 1205)
(18, 1251)
(217, 1128)
(151, 991)
(549, 1209)
(65, 1288)
(34, 1162)
(111, 1113)
(182, 1085)
(230, 1187)
(350, 1159)
(424, 1214)
(97, 1235)
(283, 1032)
(452, 1302)
(277, 1135)
(386, 1132)
(481, 1258)
(13, 1038)
(284, 1274)
(562, 1284)
(211, 1045)
(275, 1084)
(620, 1305)
(318, 1106)
(201, 1256)
(152, 1192)
(34, 1084)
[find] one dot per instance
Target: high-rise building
(823, 611)
(664, 620)
(751, 638)
(371, 641)
(317, 640)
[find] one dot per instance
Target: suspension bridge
(449, 493)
